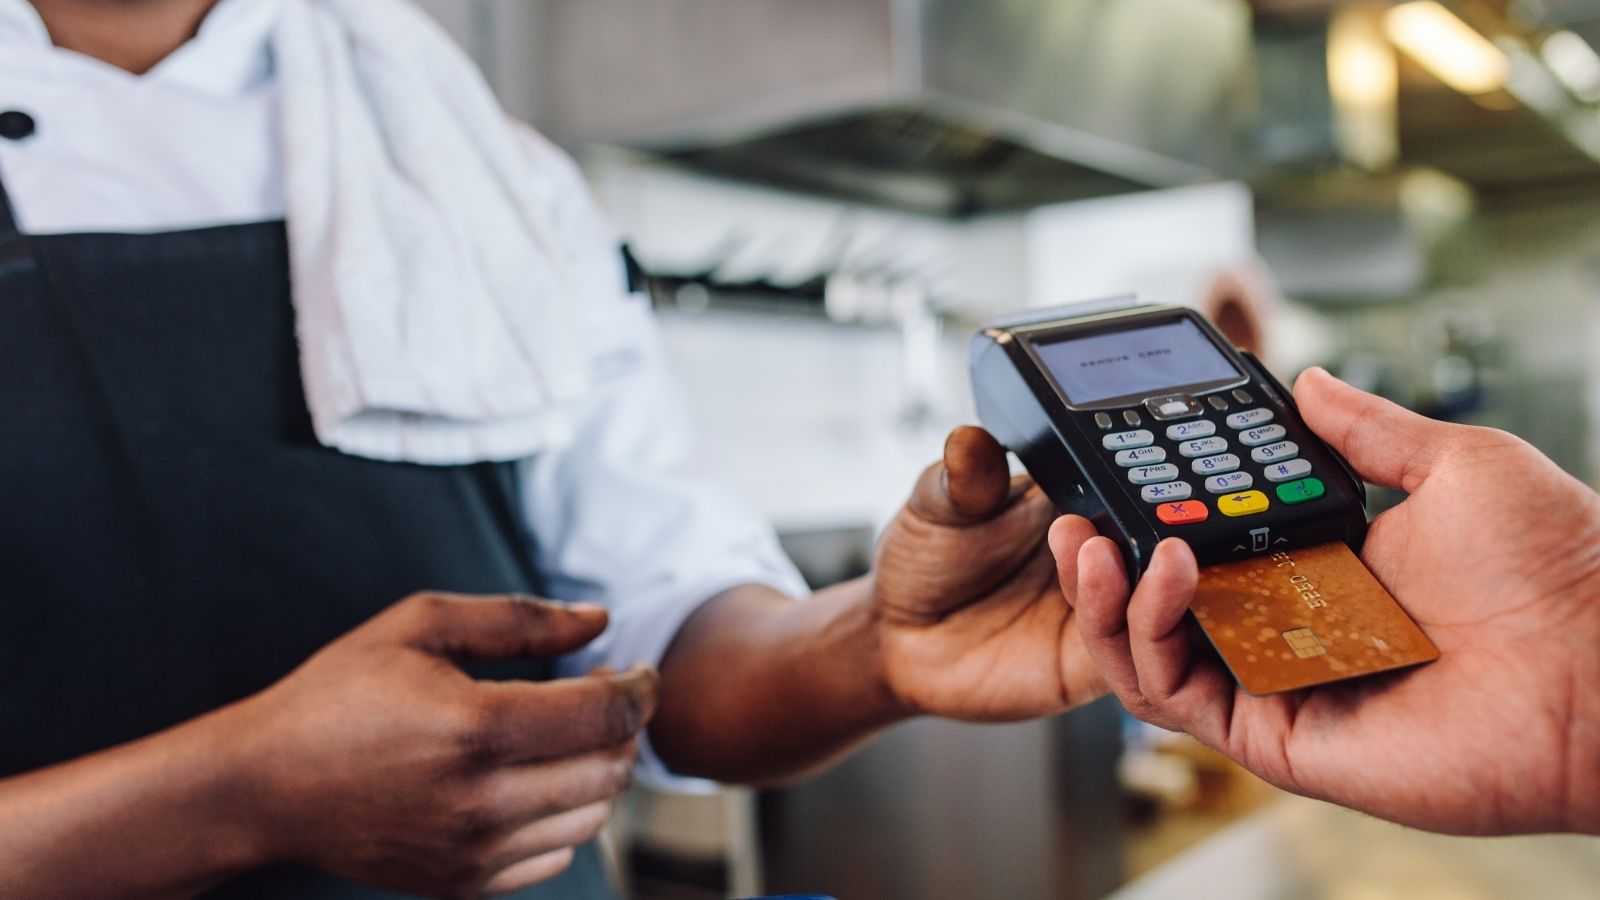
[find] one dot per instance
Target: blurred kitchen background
(827, 196)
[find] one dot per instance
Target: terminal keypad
(1228, 456)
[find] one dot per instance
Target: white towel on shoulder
(441, 301)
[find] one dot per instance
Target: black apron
(172, 536)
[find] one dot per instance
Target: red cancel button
(1184, 512)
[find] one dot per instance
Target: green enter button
(1301, 491)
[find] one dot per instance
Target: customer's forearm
(758, 687)
(159, 818)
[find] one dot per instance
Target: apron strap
(15, 254)
(8, 220)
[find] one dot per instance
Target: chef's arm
(157, 818)
(759, 687)
(961, 617)
(378, 760)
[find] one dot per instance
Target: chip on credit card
(1305, 617)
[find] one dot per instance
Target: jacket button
(16, 125)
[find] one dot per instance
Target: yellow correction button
(1244, 503)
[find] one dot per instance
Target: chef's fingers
(514, 795)
(530, 872)
(566, 829)
(484, 627)
(519, 721)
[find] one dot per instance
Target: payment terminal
(1146, 421)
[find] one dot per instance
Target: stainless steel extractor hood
(946, 106)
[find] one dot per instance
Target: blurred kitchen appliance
(937, 106)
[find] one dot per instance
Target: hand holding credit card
(1495, 554)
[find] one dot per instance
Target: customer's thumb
(1384, 442)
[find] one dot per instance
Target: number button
(1250, 418)
(1202, 447)
(1188, 431)
(1161, 493)
(1282, 451)
(1153, 474)
(1233, 481)
(1141, 456)
(1216, 465)
(1127, 440)
(1288, 471)
(1266, 434)
(1244, 503)
(1186, 513)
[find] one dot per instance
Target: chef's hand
(971, 622)
(381, 761)
(1495, 553)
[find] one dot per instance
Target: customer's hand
(381, 761)
(1495, 553)
(971, 622)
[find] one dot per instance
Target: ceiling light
(1361, 67)
(1575, 63)
(1365, 84)
(1448, 47)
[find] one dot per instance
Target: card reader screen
(1135, 362)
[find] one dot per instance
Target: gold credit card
(1305, 617)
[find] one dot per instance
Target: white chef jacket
(620, 515)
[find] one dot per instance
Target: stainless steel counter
(1305, 850)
